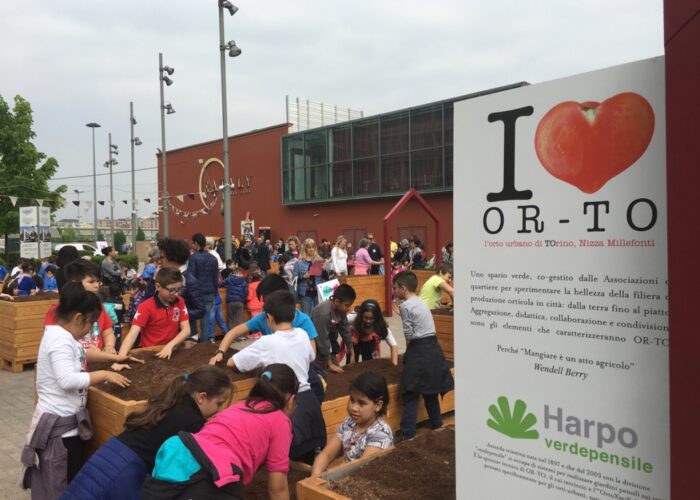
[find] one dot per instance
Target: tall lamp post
(77, 193)
(233, 51)
(113, 150)
(135, 141)
(93, 126)
(164, 78)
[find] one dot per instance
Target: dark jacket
(205, 268)
(375, 253)
(193, 295)
(236, 288)
(263, 257)
(243, 257)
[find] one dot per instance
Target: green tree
(119, 239)
(100, 235)
(68, 235)
(140, 235)
(24, 171)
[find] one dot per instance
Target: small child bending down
(220, 459)
(363, 432)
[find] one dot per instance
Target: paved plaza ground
(17, 405)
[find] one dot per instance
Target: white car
(81, 247)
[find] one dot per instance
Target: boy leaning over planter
(330, 318)
(425, 371)
(162, 319)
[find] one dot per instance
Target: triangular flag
(190, 196)
(40, 202)
(125, 202)
(13, 199)
(102, 203)
(180, 197)
(147, 200)
(76, 203)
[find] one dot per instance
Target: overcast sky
(83, 61)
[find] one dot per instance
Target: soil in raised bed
(423, 467)
(150, 378)
(339, 383)
(257, 489)
(34, 298)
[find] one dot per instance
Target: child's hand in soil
(118, 379)
(117, 367)
(216, 358)
(335, 368)
(165, 352)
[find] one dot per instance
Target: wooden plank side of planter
(21, 329)
(366, 287)
(444, 327)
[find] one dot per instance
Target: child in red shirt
(253, 304)
(162, 319)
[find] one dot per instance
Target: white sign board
(28, 232)
(561, 343)
(44, 232)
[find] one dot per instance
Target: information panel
(561, 343)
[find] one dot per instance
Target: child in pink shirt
(219, 460)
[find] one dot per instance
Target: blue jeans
(308, 303)
(409, 415)
(208, 306)
(216, 318)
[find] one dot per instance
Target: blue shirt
(3, 272)
(148, 272)
(50, 284)
(301, 320)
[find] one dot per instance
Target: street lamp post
(113, 150)
(233, 52)
(93, 126)
(163, 78)
(135, 141)
(77, 192)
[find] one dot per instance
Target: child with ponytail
(61, 421)
(219, 460)
(117, 470)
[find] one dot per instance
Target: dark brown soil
(150, 378)
(339, 383)
(34, 298)
(257, 489)
(423, 467)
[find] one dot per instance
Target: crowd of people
(184, 444)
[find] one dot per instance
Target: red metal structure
(410, 194)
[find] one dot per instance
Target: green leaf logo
(516, 423)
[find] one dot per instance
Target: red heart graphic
(587, 144)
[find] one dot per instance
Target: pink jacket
(363, 262)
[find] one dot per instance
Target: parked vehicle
(81, 247)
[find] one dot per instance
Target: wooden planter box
(335, 411)
(367, 287)
(108, 413)
(316, 488)
(444, 328)
(21, 329)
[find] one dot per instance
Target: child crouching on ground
(220, 459)
(425, 369)
(61, 421)
(363, 432)
(184, 405)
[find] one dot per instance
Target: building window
(340, 144)
(340, 180)
(394, 133)
(426, 128)
(395, 173)
(364, 136)
(426, 169)
(366, 177)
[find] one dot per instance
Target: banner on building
(44, 232)
(29, 232)
(248, 229)
(562, 344)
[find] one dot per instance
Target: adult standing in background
(154, 251)
(339, 256)
(212, 251)
(111, 272)
(308, 277)
(205, 268)
(415, 254)
(65, 256)
(376, 255)
(447, 254)
(363, 261)
(325, 249)
(263, 258)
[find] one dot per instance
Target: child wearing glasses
(162, 319)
